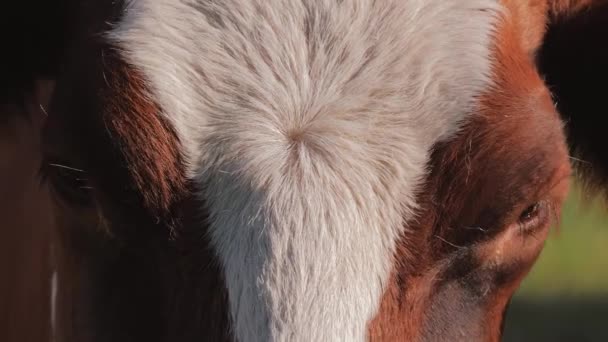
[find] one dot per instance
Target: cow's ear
(33, 38)
(574, 62)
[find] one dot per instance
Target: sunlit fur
(307, 127)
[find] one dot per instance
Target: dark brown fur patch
(149, 146)
(115, 132)
(25, 217)
(154, 277)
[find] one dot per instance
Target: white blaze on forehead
(308, 125)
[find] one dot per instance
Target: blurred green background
(565, 296)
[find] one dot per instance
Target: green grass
(565, 296)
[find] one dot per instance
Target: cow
(321, 170)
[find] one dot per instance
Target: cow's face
(387, 169)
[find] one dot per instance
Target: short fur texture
(325, 110)
(130, 295)
(448, 291)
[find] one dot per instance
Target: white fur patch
(308, 125)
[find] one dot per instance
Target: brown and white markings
(268, 170)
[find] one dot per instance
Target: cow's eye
(529, 213)
(68, 181)
(534, 216)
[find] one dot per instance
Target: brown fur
(104, 101)
(512, 154)
(149, 275)
(154, 277)
(149, 146)
(25, 268)
(566, 8)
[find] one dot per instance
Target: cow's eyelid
(534, 216)
(530, 212)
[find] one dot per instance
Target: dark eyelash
(68, 181)
(43, 173)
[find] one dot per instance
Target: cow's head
(303, 171)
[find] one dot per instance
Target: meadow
(565, 296)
